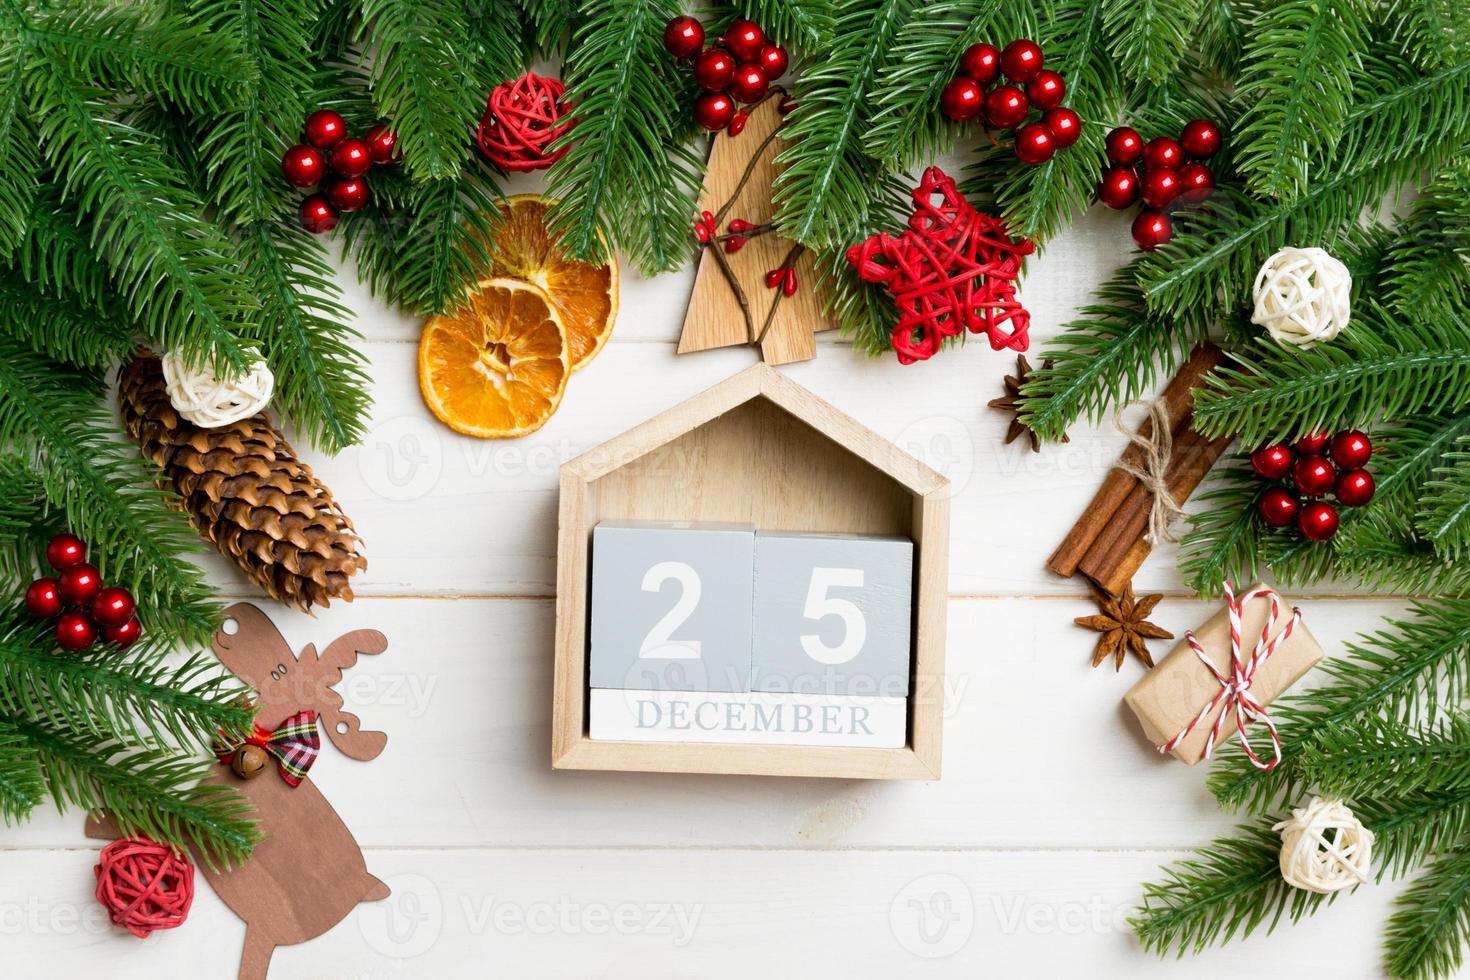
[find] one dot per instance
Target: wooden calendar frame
(757, 448)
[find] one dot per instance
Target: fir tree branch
(801, 24)
(499, 47)
(52, 415)
(56, 256)
(1148, 37)
(1039, 201)
(422, 83)
(129, 696)
(22, 785)
(1384, 758)
(424, 243)
(863, 312)
(550, 24)
(824, 186)
(19, 160)
(1225, 540)
(1405, 674)
(1380, 365)
(61, 326)
(1296, 84)
(907, 127)
(623, 182)
(322, 383)
(1111, 354)
(1220, 36)
(1444, 511)
(119, 177)
(148, 792)
(131, 47)
(1428, 273)
(1430, 926)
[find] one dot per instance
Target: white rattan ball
(1302, 296)
(208, 401)
(1324, 848)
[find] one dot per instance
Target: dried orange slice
(498, 367)
(586, 295)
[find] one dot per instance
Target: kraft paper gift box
(1171, 695)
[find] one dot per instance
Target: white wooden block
(671, 606)
(833, 614)
(750, 717)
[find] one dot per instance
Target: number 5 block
(832, 614)
(671, 606)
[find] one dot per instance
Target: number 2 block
(671, 606)
(832, 614)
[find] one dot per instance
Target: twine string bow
(1235, 694)
(1158, 452)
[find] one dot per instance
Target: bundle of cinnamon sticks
(1109, 541)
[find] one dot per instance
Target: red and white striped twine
(1235, 694)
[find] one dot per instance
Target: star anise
(1123, 623)
(1012, 403)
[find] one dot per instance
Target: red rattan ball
(522, 118)
(144, 885)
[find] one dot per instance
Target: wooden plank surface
(1051, 811)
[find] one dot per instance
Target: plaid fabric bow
(294, 745)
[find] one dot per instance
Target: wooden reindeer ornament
(741, 296)
(308, 873)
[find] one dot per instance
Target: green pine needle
(1379, 757)
(62, 326)
(19, 160)
(22, 784)
(1430, 926)
(1148, 37)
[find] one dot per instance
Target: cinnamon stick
(1192, 458)
(1178, 398)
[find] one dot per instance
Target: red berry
(75, 632)
(325, 129)
(348, 195)
(1119, 187)
(1312, 442)
(79, 583)
(1065, 126)
(382, 144)
(714, 69)
(981, 62)
(1312, 476)
(1046, 90)
(1351, 449)
(737, 122)
(43, 598)
(125, 635)
(683, 37)
(65, 550)
(1159, 187)
(1278, 506)
(773, 61)
(1124, 146)
(113, 606)
(749, 84)
(1354, 488)
(744, 40)
(1272, 462)
(1034, 144)
(1152, 229)
(317, 215)
(1200, 138)
(351, 158)
(1006, 107)
(713, 110)
(962, 99)
(1196, 182)
(1021, 60)
(303, 165)
(1317, 521)
(1162, 151)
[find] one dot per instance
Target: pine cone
(246, 492)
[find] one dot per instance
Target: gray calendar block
(832, 614)
(671, 606)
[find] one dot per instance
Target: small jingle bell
(250, 761)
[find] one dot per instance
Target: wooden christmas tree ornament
(308, 873)
(752, 285)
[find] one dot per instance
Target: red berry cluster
(76, 595)
(329, 154)
(738, 67)
(1315, 466)
(1161, 173)
(1007, 105)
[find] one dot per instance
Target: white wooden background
(1023, 861)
